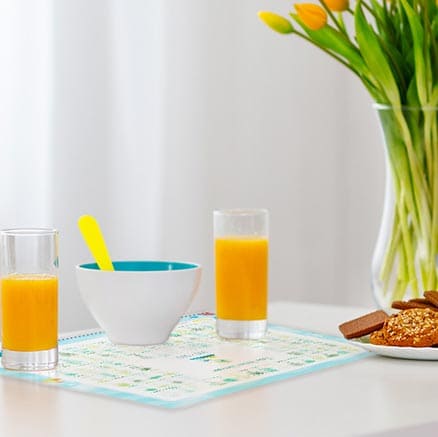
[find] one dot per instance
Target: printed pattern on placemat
(193, 365)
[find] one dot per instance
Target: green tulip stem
(331, 54)
(413, 241)
(335, 21)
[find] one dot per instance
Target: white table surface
(373, 396)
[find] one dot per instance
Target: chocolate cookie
(363, 325)
(417, 327)
(410, 304)
(432, 297)
(420, 300)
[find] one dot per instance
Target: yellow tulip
(313, 16)
(276, 22)
(337, 5)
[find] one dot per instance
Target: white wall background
(151, 114)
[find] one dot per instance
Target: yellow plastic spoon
(93, 237)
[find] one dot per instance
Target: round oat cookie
(416, 327)
(378, 337)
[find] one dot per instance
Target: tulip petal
(337, 5)
(313, 16)
(276, 22)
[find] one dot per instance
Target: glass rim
(28, 232)
(142, 266)
(239, 212)
(384, 106)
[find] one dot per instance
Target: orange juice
(241, 278)
(29, 312)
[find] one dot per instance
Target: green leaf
(404, 32)
(421, 73)
(375, 58)
(383, 23)
(434, 48)
(396, 63)
(435, 27)
(411, 95)
(434, 99)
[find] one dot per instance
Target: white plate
(408, 353)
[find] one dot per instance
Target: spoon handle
(93, 237)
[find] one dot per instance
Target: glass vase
(405, 259)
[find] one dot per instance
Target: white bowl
(140, 302)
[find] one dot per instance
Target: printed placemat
(192, 366)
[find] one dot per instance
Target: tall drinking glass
(241, 264)
(29, 298)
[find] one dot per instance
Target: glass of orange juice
(241, 270)
(29, 298)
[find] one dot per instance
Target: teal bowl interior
(144, 266)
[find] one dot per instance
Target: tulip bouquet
(392, 48)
